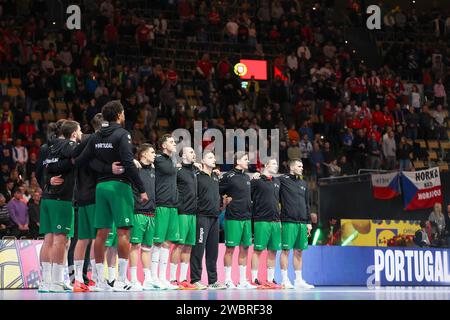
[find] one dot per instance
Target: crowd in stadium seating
(333, 111)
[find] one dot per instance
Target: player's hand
(117, 168)
(56, 180)
(227, 200)
(256, 176)
(137, 164)
(198, 166)
(144, 197)
(309, 229)
(314, 218)
(178, 165)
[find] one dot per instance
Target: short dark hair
(293, 161)
(68, 128)
(112, 110)
(142, 148)
(96, 121)
(54, 128)
(163, 139)
(238, 156)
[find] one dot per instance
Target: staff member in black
(208, 209)
(267, 225)
(235, 184)
(295, 222)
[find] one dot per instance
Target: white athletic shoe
(101, 286)
(148, 285)
(245, 286)
(302, 284)
(170, 286)
(217, 286)
(287, 285)
(44, 287)
(59, 287)
(120, 286)
(200, 286)
(135, 286)
(230, 285)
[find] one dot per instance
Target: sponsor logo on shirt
(48, 161)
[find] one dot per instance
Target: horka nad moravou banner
(421, 189)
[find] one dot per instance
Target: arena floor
(320, 293)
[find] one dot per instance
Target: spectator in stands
(20, 155)
(293, 150)
(373, 153)
(439, 117)
(403, 154)
(316, 160)
(447, 226)
(415, 99)
(412, 120)
(143, 37)
(421, 237)
(5, 219)
(426, 124)
(34, 213)
(437, 223)
(346, 167)
(360, 149)
(18, 211)
(204, 75)
(232, 30)
(440, 94)
(389, 150)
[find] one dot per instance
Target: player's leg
(273, 246)
(111, 260)
(189, 242)
(245, 242)
(172, 236)
(46, 263)
(212, 253)
(58, 258)
(197, 253)
(146, 254)
(289, 233)
(261, 239)
(160, 253)
(84, 237)
(301, 244)
(174, 261)
(233, 232)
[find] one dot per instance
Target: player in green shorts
(57, 213)
(114, 201)
(295, 223)
(166, 215)
(235, 185)
(144, 221)
(111, 255)
(187, 190)
(267, 225)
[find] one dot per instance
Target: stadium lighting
(316, 237)
(350, 239)
(346, 41)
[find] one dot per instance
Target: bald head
(187, 155)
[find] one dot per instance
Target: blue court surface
(319, 293)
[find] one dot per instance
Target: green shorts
(86, 217)
(114, 203)
(267, 235)
(294, 236)
(143, 230)
(238, 233)
(56, 216)
(166, 225)
(111, 241)
(188, 228)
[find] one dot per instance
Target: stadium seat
(36, 116)
(421, 143)
(433, 144)
(12, 92)
(16, 82)
(432, 155)
(49, 116)
(443, 166)
(419, 164)
(60, 105)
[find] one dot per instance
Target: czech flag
(385, 186)
(421, 189)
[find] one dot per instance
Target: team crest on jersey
(276, 185)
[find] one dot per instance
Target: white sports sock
(133, 274)
(270, 274)
(242, 274)
(298, 275)
(173, 271)
(100, 267)
(47, 272)
(163, 260)
(78, 265)
(123, 266)
(155, 262)
(111, 274)
(284, 275)
(254, 274)
(94, 270)
(69, 272)
(147, 275)
(58, 273)
(183, 271)
(227, 273)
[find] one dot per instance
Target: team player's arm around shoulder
(127, 161)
